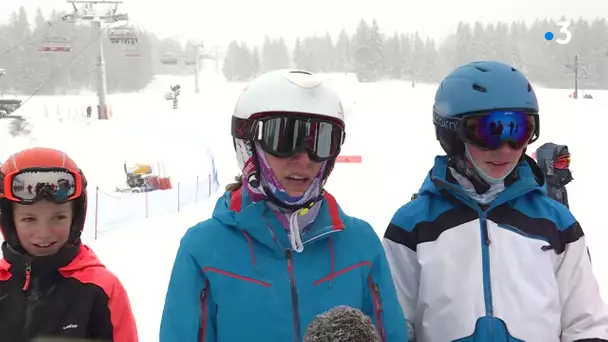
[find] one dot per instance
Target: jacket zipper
(203, 313)
(485, 261)
(294, 297)
(378, 309)
(32, 297)
(28, 274)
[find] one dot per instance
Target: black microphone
(342, 324)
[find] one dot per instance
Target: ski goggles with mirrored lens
(562, 163)
(33, 184)
(285, 135)
(491, 130)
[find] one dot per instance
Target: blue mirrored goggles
(491, 130)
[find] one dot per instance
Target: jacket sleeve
(584, 313)
(403, 262)
(189, 315)
(112, 318)
(381, 298)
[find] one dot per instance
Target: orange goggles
(30, 185)
(562, 163)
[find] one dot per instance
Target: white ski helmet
(286, 91)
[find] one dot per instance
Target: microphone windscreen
(342, 324)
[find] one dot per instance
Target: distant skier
(176, 89)
(89, 110)
(62, 190)
(554, 160)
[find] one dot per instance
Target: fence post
(209, 195)
(96, 209)
(178, 206)
(146, 194)
(196, 194)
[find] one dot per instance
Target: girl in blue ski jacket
(481, 253)
(279, 250)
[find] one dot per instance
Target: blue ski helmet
(477, 87)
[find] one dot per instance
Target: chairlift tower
(197, 66)
(213, 54)
(194, 58)
(87, 12)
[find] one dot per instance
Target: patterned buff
(269, 181)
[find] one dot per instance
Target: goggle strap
(260, 130)
(451, 124)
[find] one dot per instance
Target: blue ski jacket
(236, 278)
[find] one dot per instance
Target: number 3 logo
(564, 29)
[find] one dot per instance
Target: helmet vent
(481, 69)
(300, 72)
(513, 69)
(529, 87)
(479, 88)
(303, 78)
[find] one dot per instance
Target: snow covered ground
(388, 124)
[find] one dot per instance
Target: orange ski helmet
(41, 173)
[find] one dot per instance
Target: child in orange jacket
(51, 284)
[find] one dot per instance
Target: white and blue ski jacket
(518, 271)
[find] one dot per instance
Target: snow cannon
(141, 169)
(137, 174)
(159, 183)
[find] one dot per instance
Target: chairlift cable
(25, 41)
(57, 71)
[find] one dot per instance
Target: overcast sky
(218, 22)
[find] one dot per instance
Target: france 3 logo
(563, 30)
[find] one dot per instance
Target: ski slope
(142, 129)
(388, 124)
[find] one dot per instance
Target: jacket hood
(84, 259)
(235, 210)
(548, 152)
(527, 177)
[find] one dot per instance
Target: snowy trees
(241, 63)
(316, 54)
(374, 55)
(364, 49)
(368, 52)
